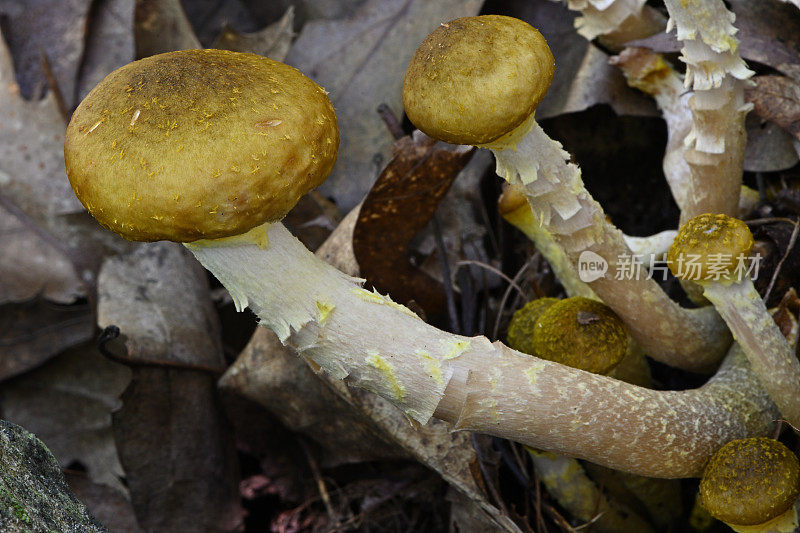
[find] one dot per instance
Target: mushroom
(712, 250)
(523, 324)
(752, 485)
(477, 80)
(195, 125)
(581, 333)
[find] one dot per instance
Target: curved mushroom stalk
(688, 338)
(374, 343)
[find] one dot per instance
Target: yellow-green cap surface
(581, 333)
(474, 79)
(199, 144)
(708, 247)
(750, 481)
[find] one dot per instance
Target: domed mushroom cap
(708, 247)
(521, 327)
(750, 481)
(199, 144)
(474, 79)
(581, 333)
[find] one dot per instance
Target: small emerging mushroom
(752, 485)
(713, 250)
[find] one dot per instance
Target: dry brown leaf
(68, 403)
(33, 332)
(172, 438)
(400, 204)
(361, 60)
(272, 42)
(31, 267)
(777, 98)
(108, 505)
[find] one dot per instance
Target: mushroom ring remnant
(150, 151)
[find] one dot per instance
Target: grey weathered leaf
(53, 27)
(769, 148)
(362, 60)
(172, 438)
(68, 404)
(109, 43)
(32, 170)
(272, 42)
(31, 267)
(34, 331)
(162, 26)
(108, 505)
(583, 76)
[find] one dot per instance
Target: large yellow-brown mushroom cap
(199, 144)
(750, 481)
(474, 79)
(523, 323)
(581, 333)
(710, 247)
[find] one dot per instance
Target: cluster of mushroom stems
(593, 402)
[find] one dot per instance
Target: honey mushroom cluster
(212, 148)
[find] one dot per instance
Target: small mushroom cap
(520, 329)
(474, 79)
(581, 333)
(199, 144)
(709, 247)
(750, 481)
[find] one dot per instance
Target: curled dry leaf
(361, 60)
(401, 203)
(68, 403)
(171, 434)
(272, 42)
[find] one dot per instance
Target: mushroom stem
(769, 353)
(694, 339)
(474, 384)
(716, 73)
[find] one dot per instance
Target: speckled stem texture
(693, 339)
(374, 343)
(716, 73)
(771, 356)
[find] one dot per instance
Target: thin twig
(492, 269)
(323, 490)
(506, 294)
(391, 121)
(446, 279)
(53, 83)
(789, 247)
(112, 332)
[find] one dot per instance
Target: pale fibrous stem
(474, 384)
(693, 339)
(771, 356)
(717, 75)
